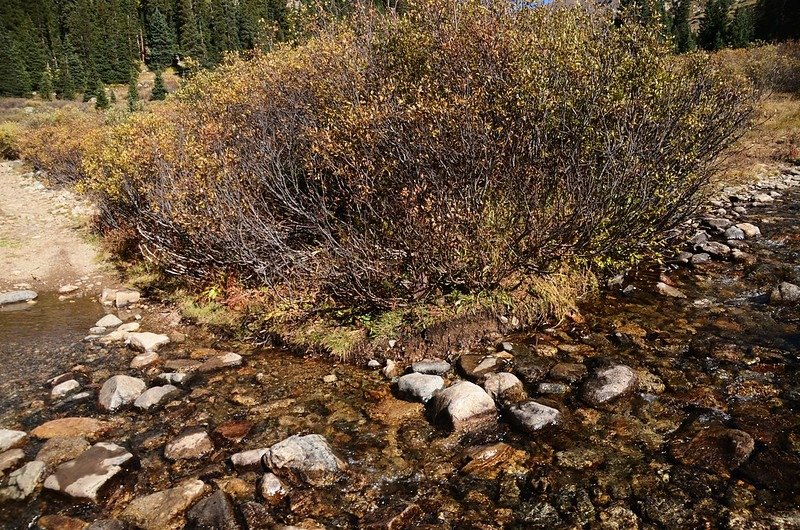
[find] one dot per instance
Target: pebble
(246, 460)
(62, 389)
(330, 378)
(67, 289)
(146, 341)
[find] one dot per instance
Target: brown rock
(489, 460)
(88, 428)
(190, 444)
(716, 449)
(164, 510)
(568, 372)
(61, 522)
(59, 449)
(234, 431)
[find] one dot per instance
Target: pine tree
(714, 26)
(14, 77)
(101, 102)
(684, 38)
(112, 98)
(64, 82)
(133, 92)
(159, 89)
(742, 28)
(191, 41)
(46, 85)
(162, 41)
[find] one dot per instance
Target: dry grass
(772, 142)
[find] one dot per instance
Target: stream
(708, 436)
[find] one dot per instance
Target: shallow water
(723, 358)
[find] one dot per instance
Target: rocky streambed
(672, 402)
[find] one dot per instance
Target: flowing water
(721, 360)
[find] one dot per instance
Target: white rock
(177, 378)
(419, 387)
(532, 416)
(307, 459)
(248, 459)
(23, 481)
(83, 477)
(431, 366)
(190, 444)
(154, 396)
(609, 384)
(500, 383)
(126, 298)
(129, 327)
(108, 321)
(146, 341)
(62, 389)
(464, 406)
(272, 489)
(750, 231)
(15, 297)
(10, 439)
(120, 390)
(144, 359)
(66, 289)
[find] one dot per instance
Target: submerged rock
(532, 416)
(307, 459)
(155, 396)
(89, 428)
(477, 366)
(119, 391)
(464, 406)
(785, 293)
(218, 362)
(716, 449)
(84, 476)
(668, 290)
(164, 510)
(418, 386)
(609, 384)
(192, 443)
(213, 512)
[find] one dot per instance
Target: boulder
(785, 293)
(164, 510)
(108, 321)
(431, 366)
(10, 439)
(504, 387)
(119, 391)
(155, 396)
(750, 231)
(89, 428)
(531, 416)
(213, 512)
(609, 384)
(190, 444)
(146, 341)
(23, 482)
(126, 298)
(464, 406)
(419, 387)
(16, 297)
(84, 476)
(305, 459)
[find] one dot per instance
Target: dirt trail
(44, 235)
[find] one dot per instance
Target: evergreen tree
(46, 85)
(162, 41)
(681, 28)
(112, 97)
(133, 91)
(159, 89)
(191, 40)
(101, 102)
(714, 26)
(14, 77)
(742, 28)
(777, 20)
(65, 84)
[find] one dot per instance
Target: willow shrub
(461, 147)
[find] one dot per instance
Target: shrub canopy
(464, 145)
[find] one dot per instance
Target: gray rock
(750, 231)
(218, 362)
(190, 444)
(419, 387)
(667, 290)
(164, 510)
(699, 238)
(504, 386)
(107, 524)
(144, 360)
(248, 459)
(609, 384)
(734, 232)
(10, 439)
(178, 378)
(272, 489)
(431, 366)
(700, 259)
(532, 416)
(84, 476)
(23, 481)
(305, 459)
(464, 406)
(155, 396)
(714, 249)
(62, 389)
(146, 341)
(683, 257)
(213, 512)
(718, 224)
(785, 293)
(108, 321)
(373, 364)
(9, 459)
(126, 298)
(552, 388)
(119, 391)
(15, 297)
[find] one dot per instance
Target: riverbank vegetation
(387, 173)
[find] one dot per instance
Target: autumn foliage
(463, 146)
